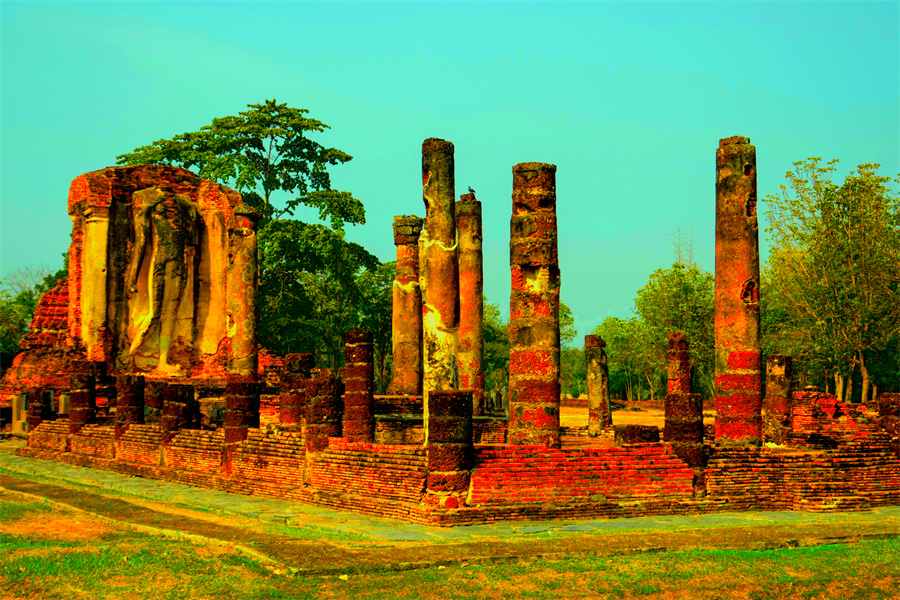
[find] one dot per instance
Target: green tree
(834, 274)
(308, 272)
(626, 367)
(683, 298)
(376, 291)
(573, 369)
(19, 296)
(495, 334)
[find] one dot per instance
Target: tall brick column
(324, 409)
(406, 318)
(439, 270)
(241, 407)
(534, 308)
(129, 402)
(359, 383)
(599, 413)
(180, 410)
(292, 395)
(449, 449)
(242, 309)
(738, 359)
(678, 363)
(471, 300)
(82, 402)
(777, 405)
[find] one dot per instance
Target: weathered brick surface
(358, 377)
(738, 381)
(406, 315)
(534, 308)
(471, 300)
(370, 470)
(514, 475)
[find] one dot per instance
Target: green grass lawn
(46, 552)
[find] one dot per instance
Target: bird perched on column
(471, 191)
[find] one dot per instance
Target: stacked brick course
(50, 324)
(534, 308)
(359, 382)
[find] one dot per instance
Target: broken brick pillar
(324, 409)
(40, 407)
(678, 363)
(439, 271)
(534, 308)
(241, 407)
(738, 384)
(180, 410)
(359, 383)
(406, 319)
(242, 285)
(82, 402)
(599, 412)
(684, 430)
(777, 405)
(471, 300)
(153, 402)
(449, 447)
(129, 402)
(292, 395)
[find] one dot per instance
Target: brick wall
(857, 474)
(394, 472)
(521, 474)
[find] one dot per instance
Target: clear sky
(629, 100)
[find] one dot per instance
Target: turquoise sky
(629, 100)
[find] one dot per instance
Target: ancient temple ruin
(146, 361)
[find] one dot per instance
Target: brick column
(534, 308)
(471, 300)
(242, 308)
(241, 407)
(129, 402)
(82, 402)
(439, 270)
(406, 318)
(684, 430)
(599, 413)
(324, 409)
(359, 382)
(777, 405)
(678, 363)
(292, 396)
(39, 407)
(153, 402)
(738, 359)
(180, 410)
(449, 448)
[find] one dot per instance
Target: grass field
(49, 552)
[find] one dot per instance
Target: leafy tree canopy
(831, 287)
(310, 275)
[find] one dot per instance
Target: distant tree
(834, 274)
(19, 296)
(307, 271)
(376, 294)
(495, 334)
(683, 298)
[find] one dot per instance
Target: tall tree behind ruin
(266, 153)
(834, 272)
